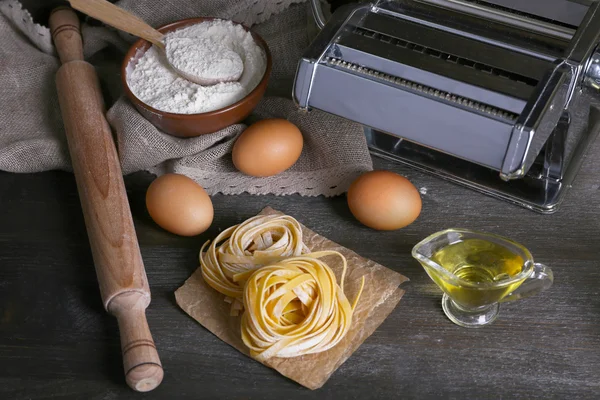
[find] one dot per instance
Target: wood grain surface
(57, 342)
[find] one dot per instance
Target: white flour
(153, 81)
(204, 58)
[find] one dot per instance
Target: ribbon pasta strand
(258, 241)
(295, 307)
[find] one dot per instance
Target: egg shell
(384, 200)
(179, 205)
(267, 147)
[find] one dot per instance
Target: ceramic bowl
(190, 125)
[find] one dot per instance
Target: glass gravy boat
(477, 271)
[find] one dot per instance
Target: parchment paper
(380, 296)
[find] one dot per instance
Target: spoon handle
(118, 18)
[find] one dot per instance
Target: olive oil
(480, 266)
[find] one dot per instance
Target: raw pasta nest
(258, 241)
(295, 307)
(292, 301)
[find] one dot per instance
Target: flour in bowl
(202, 58)
(154, 82)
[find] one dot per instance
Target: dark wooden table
(56, 341)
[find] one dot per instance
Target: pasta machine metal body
(486, 94)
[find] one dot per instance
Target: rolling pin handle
(143, 369)
(66, 33)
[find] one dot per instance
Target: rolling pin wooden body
(113, 241)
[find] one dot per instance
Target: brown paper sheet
(380, 296)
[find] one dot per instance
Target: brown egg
(267, 147)
(384, 200)
(179, 205)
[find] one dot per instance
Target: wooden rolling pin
(119, 267)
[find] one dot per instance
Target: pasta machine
(497, 95)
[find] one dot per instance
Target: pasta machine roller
(497, 95)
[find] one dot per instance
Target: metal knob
(592, 71)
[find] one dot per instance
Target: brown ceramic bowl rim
(182, 23)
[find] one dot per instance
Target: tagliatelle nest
(291, 300)
(295, 307)
(256, 242)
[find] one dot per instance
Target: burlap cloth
(31, 130)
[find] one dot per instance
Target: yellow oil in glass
(482, 265)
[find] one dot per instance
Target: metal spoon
(118, 18)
